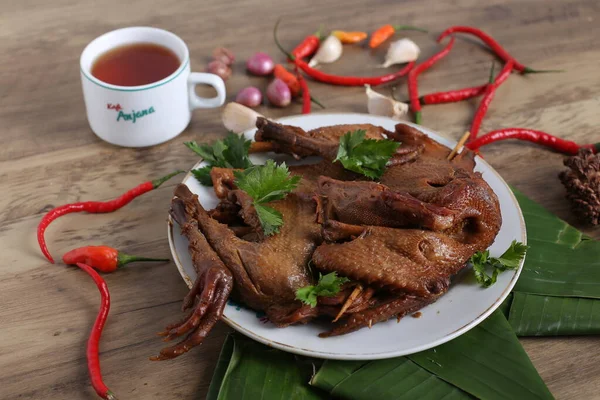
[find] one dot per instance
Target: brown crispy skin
(401, 239)
(267, 273)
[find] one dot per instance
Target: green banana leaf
(395, 378)
(561, 261)
(487, 362)
(247, 370)
(533, 315)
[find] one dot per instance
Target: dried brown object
(582, 181)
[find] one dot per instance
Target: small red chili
(305, 93)
(308, 46)
(490, 91)
(95, 207)
(386, 31)
(533, 136)
(103, 258)
(413, 90)
(93, 343)
(341, 80)
(493, 44)
(453, 96)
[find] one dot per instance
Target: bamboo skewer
(349, 301)
(459, 145)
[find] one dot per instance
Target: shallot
(400, 52)
(224, 55)
(379, 104)
(329, 51)
(219, 68)
(260, 64)
(250, 97)
(279, 93)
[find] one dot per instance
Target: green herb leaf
(203, 175)
(231, 152)
(510, 259)
(270, 219)
(236, 151)
(365, 156)
(265, 183)
(328, 285)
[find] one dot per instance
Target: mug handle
(203, 102)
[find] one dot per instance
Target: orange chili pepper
(385, 32)
(350, 37)
(288, 78)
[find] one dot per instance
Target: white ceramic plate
(464, 306)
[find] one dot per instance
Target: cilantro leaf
(270, 219)
(510, 259)
(236, 151)
(365, 156)
(231, 152)
(328, 285)
(265, 183)
(203, 175)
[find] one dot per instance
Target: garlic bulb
(379, 104)
(238, 118)
(400, 52)
(329, 51)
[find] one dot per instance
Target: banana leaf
(533, 315)
(488, 362)
(247, 370)
(395, 378)
(561, 261)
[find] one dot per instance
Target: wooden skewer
(349, 301)
(459, 145)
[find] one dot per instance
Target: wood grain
(49, 156)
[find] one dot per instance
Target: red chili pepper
(94, 340)
(452, 96)
(385, 32)
(94, 207)
(490, 91)
(341, 80)
(290, 79)
(305, 93)
(103, 258)
(530, 135)
(308, 46)
(413, 89)
(493, 44)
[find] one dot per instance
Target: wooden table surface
(49, 156)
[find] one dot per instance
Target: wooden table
(49, 156)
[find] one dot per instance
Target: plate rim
(366, 356)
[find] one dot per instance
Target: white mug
(139, 116)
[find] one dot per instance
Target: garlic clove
(379, 104)
(329, 51)
(400, 52)
(238, 118)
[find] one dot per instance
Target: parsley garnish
(265, 183)
(231, 152)
(328, 285)
(510, 259)
(365, 156)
